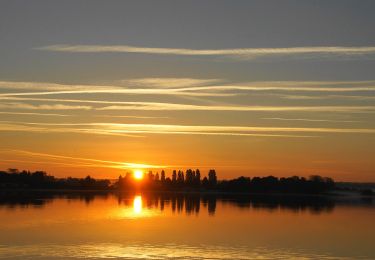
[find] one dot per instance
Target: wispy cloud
(142, 86)
(169, 82)
(42, 107)
(311, 120)
(186, 87)
(319, 97)
(50, 86)
(135, 117)
(33, 128)
(133, 130)
(60, 164)
(137, 91)
(103, 163)
(188, 107)
(239, 53)
(277, 86)
(31, 114)
(164, 106)
(197, 129)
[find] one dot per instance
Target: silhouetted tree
(162, 176)
(150, 176)
(197, 179)
(189, 177)
(212, 179)
(205, 182)
(180, 177)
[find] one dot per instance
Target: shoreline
(333, 193)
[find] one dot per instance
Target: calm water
(160, 226)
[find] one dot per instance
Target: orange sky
(286, 91)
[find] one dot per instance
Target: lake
(180, 226)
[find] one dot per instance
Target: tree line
(190, 180)
(14, 178)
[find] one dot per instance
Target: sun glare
(138, 174)
(137, 205)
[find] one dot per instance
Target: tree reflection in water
(183, 202)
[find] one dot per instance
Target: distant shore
(333, 193)
(188, 182)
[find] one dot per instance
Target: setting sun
(138, 174)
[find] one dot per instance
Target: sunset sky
(249, 88)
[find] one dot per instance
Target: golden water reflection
(134, 207)
(137, 205)
(184, 226)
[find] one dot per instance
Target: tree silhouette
(197, 179)
(14, 178)
(162, 176)
(212, 179)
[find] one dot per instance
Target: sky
(251, 88)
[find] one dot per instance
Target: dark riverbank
(189, 181)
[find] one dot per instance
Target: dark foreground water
(160, 226)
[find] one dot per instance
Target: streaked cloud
(277, 86)
(211, 91)
(164, 106)
(239, 53)
(134, 130)
(30, 114)
(52, 86)
(94, 89)
(135, 117)
(311, 120)
(319, 97)
(34, 128)
(150, 106)
(195, 129)
(42, 107)
(169, 82)
(60, 164)
(187, 87)
(102, 163)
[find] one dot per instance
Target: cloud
(169, 82)
(34, 128)
(56, 163)
(190, 87)
(31, 114)
(277, 86)
(52, 86)
(155, 106)
(43, 107)
(304, 97)
(59, 89)
(134, 130)
(186, 87)
(239, 53)
(311, 120)
(116, 128)
(164, 106)
(135, 117)
(103, 163)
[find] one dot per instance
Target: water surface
(160, 226)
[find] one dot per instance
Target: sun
(138, 174)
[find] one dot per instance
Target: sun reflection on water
(137, 205)
(135, 208)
